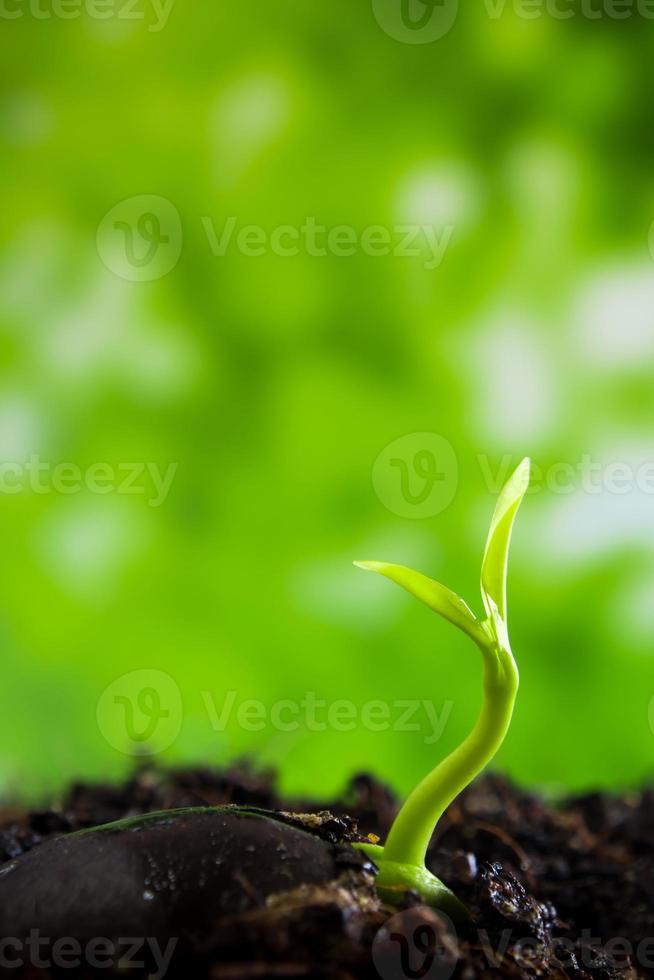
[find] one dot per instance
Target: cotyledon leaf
(435, 595)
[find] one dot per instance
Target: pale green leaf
(496, 555)
(438, 597)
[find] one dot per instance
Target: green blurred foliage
(274, 382)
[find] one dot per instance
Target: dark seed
(171, 873)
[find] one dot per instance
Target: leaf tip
(517, 485)
(523, 472)
(368, 566)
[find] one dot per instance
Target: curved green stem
(401, 860)
(413, 827)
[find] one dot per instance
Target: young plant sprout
(177, 872)
(401, 860)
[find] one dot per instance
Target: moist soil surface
(552, 891)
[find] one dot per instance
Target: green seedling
(401, 860)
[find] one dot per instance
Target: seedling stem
(401, 860)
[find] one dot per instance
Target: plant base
(395, 879)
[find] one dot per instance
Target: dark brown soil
(558, 892)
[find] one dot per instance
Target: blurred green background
(274, 384)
